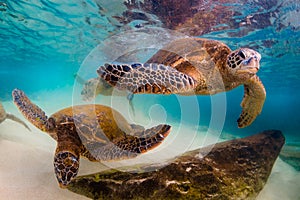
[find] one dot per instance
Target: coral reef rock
(235, 169)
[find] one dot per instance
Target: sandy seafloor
(26, 169)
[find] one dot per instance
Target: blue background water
(43, 43)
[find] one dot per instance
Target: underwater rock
(236, 169)
(290, 154)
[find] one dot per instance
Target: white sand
(26, 170)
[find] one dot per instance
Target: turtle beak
(251, 65)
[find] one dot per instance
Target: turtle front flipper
(253, 101)
(31, 112)
(146, 78)
(133, 145)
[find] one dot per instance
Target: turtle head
(50, 125)
(94, 87)
(90, 90)
(66, 165)
(243, 62)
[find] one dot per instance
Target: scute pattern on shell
(146, 78)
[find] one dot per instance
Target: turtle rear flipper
(31, 112)
(147, 139)
(146, 78)
(132, 146)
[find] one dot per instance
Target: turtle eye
(241, 54)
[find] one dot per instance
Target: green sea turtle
(96, 132)
(4, 115)
(95, 86)
(194, 66)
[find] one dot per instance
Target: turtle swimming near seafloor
(96, 132)
(4, 115)
(194, 66)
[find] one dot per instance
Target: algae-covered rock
(236, 169)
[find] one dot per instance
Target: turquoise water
(44, 44)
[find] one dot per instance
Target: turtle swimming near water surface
(95, 86)
(4, 115)
(96, 132)
(194, 66)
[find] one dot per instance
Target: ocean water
(46, 45)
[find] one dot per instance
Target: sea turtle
(4, 115)
(94, 131)
(194, 66)
(95, 86)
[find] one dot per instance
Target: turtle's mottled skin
(94, 87)
(96, 132)
(4, 115)
(194, 66)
